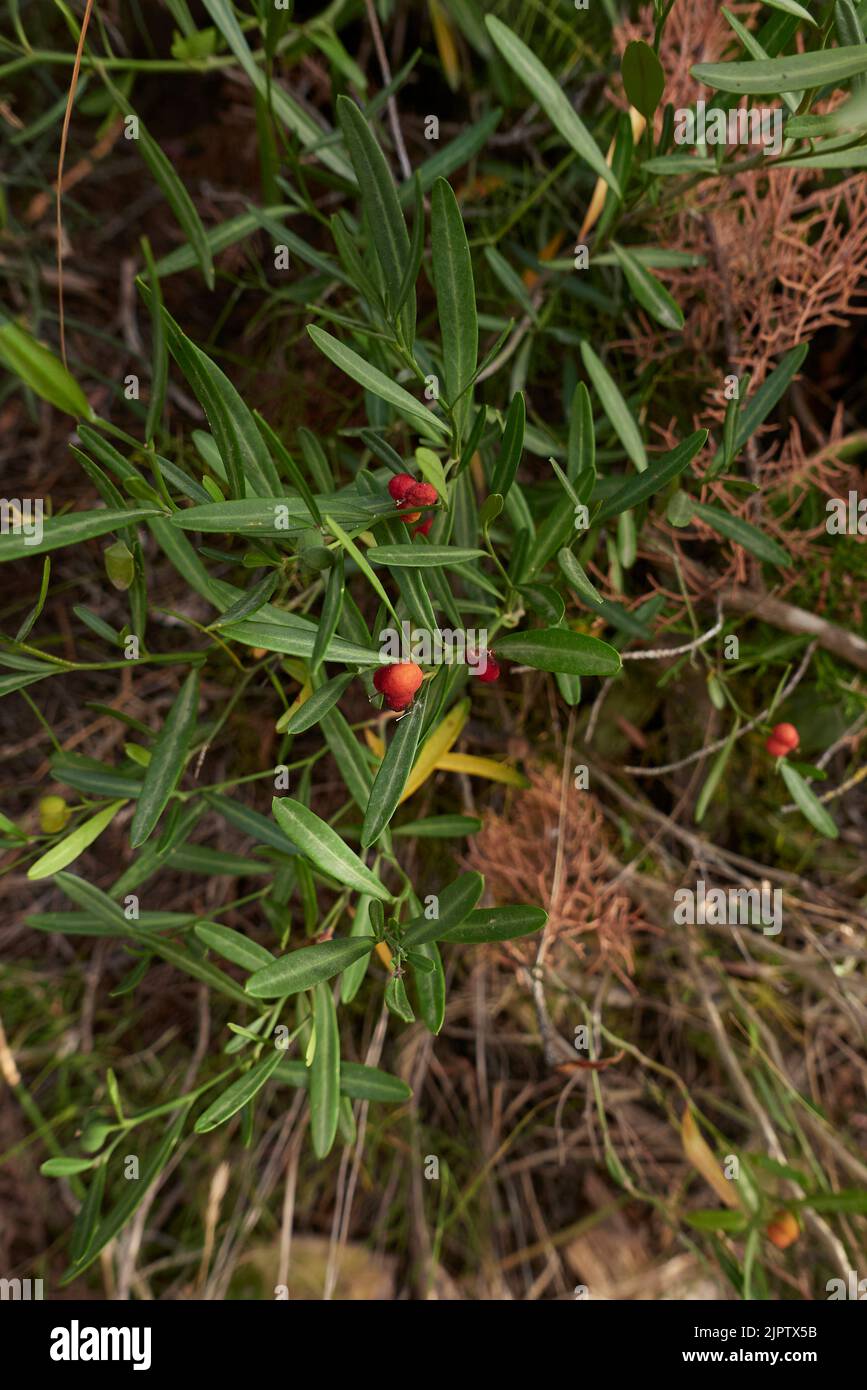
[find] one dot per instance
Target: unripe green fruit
(53, 814)
(119, 565)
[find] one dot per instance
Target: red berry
(786, 733)
(424, 527)
(421, 495)
(489, 670)
(782, 739)
(398, 683)
(400, 485)
(410, 517)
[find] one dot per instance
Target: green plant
(417, 522)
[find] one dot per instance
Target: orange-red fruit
(398, 683)
(423, 527)
(400, 485)
(782, 739)
(784, 1230)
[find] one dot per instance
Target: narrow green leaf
(615, 407)
(71, 529)
(240, 1093)
(357, 1081)
(455, 903)
(353, 975)
(39, 369)
(660, 472)
(238, 441)
(550, 96)
(713, 778)
(324, 848)
(134, 1195)
(511, 446)
(650, 292)
(422, 556)
(287, 110)
(249, 603)
(794, 73)
(65, 1167)
(575, 576)
(497, 924)
(325, 1073)
(430, 987)
(233, 945)
(372, 379)
(167, 760)
(314, 708)
(176, 196)
(384, 215)
(456, 300)
(75, 843)
(808, 803)
(393, 771)
(306, 967)
(581, 444)
(330, 615)
(734, 528)
(559, 649)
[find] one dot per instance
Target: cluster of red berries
(407, 492)
(783, 739)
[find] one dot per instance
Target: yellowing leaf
(597, 202)
(446, 45)
(444, 736)
(702, 1159)
(482, 767)
(384, 955)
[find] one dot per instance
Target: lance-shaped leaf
(330, 616)
(559, 649)
(384, 215)
(393, 772)
(615, 407)
(240, 445)
(795, 73)
(808, 803)
(550, 96)
(75, 843)
(59, 531)
(575, 575)
(357, 1081)
(324, 848)
(456, 300)
(39, 369)
(511, 446)
(650, 292)
(324, 1073)
(293, 116)
(316, 707)
(236, 1096)
(743, 533)
(233, 945)
(309, 966)
(133, 1196)
(455, 903)
(167, 760)
(497, 924)
(372, 379)
(656, 476)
